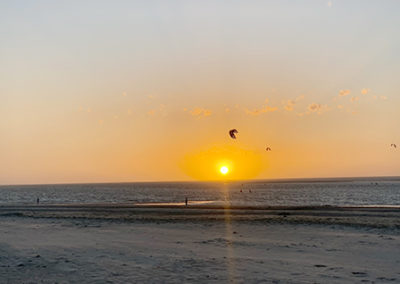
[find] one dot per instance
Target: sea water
(306, 192)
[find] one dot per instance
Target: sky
(120, 91)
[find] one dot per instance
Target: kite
(232, 133)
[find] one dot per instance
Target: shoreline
(372, 217)
(201, 204)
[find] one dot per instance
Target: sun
(224, 170)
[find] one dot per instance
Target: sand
(125, 244)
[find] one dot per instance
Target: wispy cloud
(317, 108)
(384, 98)
(364, 91)
(314, 107)
(82, 109)
(289, 104)
(354, 99)
(343, 93)
(152, 112)
(198, 112)
(264, 109)
(160, 110)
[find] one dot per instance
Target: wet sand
(121, 243)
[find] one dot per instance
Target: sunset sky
(117, 91)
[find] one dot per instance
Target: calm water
(340, 192)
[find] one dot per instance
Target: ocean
(300, 192)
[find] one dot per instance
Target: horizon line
(314, 179)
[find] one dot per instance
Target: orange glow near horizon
(146, 92)
(219, 162)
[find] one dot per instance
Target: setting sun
(224, 170)
(222, 161)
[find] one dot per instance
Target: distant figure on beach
(186, 201)
(268, 149)
(393, 145)
(232, 133)
(250, 190)
(37, 200)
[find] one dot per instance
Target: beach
(165, 243)
(199, 142)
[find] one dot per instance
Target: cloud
(364, 91)
(343, 93)
(316, 108)
(329, 4)
(157, 111)
(152, 112)
(384, 98)
(289, 104)
(199, 112)
(265, 108)
(354, 99)
(82, 109)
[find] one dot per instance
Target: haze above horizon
(97, 91)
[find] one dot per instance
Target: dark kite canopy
(232, 133)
